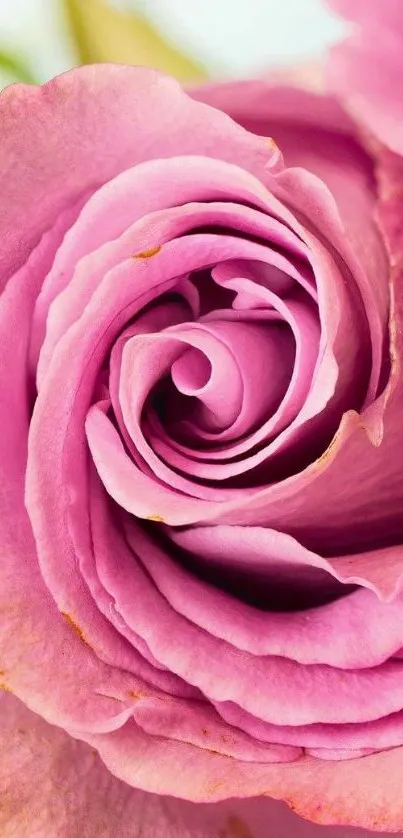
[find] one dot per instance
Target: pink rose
(202, 489)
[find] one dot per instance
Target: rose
(77, 287)
(214, 627)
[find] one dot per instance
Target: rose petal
(363, 69)
(34, 635)
(316, 789)
(76, 119)
(349, 739)
(97, 803)
(389, 13)
(371, 629)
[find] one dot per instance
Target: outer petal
(359, 792)
(76, 120)
(34, 637)
(56, 787)
(367, 68)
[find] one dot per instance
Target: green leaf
(103, 33)
(14, 68)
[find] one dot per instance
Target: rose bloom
(201, 473)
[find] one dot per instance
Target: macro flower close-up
(201, 390)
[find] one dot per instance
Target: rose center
(214, 380)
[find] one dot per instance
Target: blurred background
(191, 39)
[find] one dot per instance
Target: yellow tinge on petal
(103, 33)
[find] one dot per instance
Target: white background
(232, 37)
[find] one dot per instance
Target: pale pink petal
(367, 68)
(388, 13)
(55, 787)
(316, 789)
